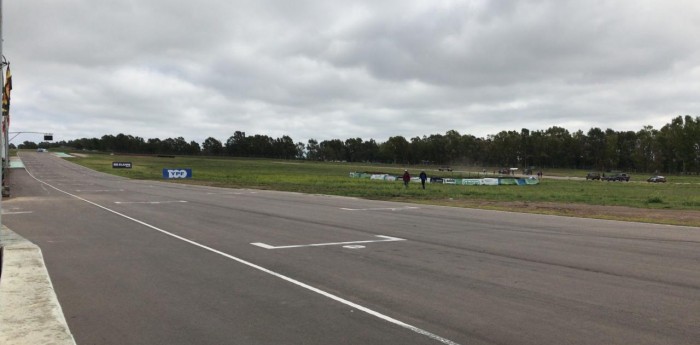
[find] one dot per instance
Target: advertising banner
(121, 165)
(177, 173)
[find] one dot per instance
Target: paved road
(142, 262)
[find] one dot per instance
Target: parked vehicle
(445, 168)
(657, 179)
(616, 177)
(593, 176)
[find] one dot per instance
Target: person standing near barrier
(406, 178)
(423, 177)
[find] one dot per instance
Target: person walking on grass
(406, 178)
(423, 177)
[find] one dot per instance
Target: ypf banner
(177, 173)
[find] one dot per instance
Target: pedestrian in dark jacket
(423, 177)
(406, 178)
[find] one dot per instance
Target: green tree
(212, 146)
(396, 150)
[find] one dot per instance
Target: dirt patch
(674, 217)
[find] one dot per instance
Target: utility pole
(3, 133)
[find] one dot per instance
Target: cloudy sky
(347, 69)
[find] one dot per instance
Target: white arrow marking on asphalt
(354, 246)
(385, 239)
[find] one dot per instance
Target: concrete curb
(29, 310)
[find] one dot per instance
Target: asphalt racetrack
(144, 262)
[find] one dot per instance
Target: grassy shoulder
(681, 195)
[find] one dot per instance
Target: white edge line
(273, 273)
(98, 190)
(150, 202)
(260, 244)
(381, 208)
(386, 239)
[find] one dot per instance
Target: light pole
(3, 133)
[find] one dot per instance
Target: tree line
(675, 148)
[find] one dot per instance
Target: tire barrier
(495, 181)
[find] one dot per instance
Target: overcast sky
(347, 69)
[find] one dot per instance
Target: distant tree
(370, 151)
(153, 146)
(332, 150)
(675, 148)
(284, 148)
(194, 148)
(594, 149)
(454, 149)
(30, 145)
(212, 146)
(680, 144)
(238, 145)
(313, 150)
(301, 150)
(396, 150)
(559, 147)
(506, 148)
(353, 150)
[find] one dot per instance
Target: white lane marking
(381, 208)
(233, 192)
(270, 272)
(149, 202)
(228, 193)
(385, 239)
(354, 246)
(16, 212)
(98, 190)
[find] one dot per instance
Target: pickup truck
(593, 176)
(616, 177)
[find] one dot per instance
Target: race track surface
(144, 262)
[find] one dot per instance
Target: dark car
(593, 176)
(616, 177)
(445, 169)
(657, 179)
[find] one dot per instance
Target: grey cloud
(313, 69)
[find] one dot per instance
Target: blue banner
(177, 173)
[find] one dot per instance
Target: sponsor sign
(177, 173)
(121, 165)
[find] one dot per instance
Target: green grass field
(680, 193)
